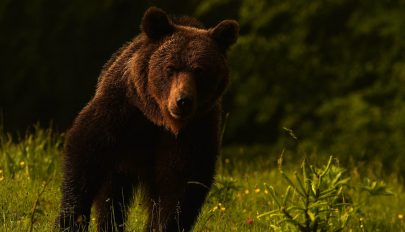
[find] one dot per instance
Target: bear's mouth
(179, 116)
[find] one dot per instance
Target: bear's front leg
(79, 188)
(163, 204)
(87, 155)
(190, 205)
(177, 200)
(113, 201)
(197, 187)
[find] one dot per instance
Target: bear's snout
(185, 105)
(182, 97)
(182, 107)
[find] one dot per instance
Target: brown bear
(153, 123)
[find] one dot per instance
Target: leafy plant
(318, 199)
(224, 189)
(375, 188)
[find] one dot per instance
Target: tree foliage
(331, 71)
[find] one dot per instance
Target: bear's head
(185, 67)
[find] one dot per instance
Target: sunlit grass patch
(239, 200)
(36, 155)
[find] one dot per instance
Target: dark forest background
(331, 72)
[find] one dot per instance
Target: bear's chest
(151, 152)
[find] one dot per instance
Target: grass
(252, 191)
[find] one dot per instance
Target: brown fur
(153, 122)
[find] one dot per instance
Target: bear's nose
(185, 105)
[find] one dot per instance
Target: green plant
(375, 188)
(319, 198)
(316, 201)
(224, 189)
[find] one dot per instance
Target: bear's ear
(156, 24)
(225, 33)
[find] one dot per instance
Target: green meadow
(255, 190)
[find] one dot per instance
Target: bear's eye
(170, 70)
